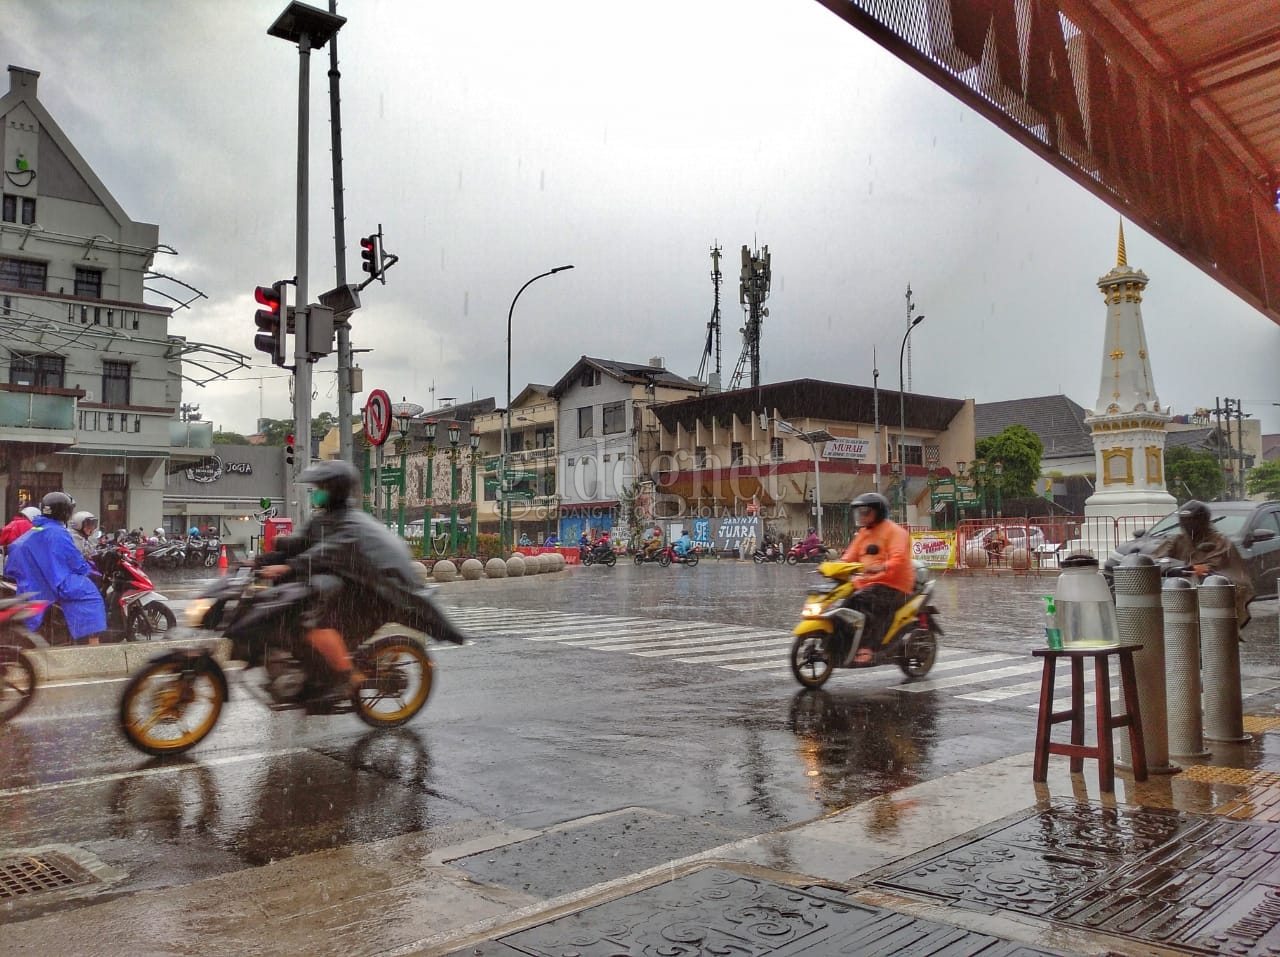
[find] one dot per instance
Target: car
(1253, 527)
(1029, 537)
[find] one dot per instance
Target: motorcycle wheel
(692, 559)
(587, 559)
(210, 561)
(811, 660)
(664, 559)
(172, 703)
(758, 558)
(639, 559)
(610, 560)
(792, 560)
(919, 652)
(17, 681)
(398, 674)
(153, 621)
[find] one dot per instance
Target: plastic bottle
(1052, 633)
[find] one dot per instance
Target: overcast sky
(496, 140)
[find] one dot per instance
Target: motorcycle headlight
(812, 609)
(197, 610)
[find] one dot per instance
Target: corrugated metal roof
(1056, 419)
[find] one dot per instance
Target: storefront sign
(846, 449)
(731, 531)
(935, 549)
(213, 468)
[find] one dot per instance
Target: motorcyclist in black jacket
(362, 575)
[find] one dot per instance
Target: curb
(115, 660)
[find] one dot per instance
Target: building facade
(90, 379)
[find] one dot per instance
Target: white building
(90, 378)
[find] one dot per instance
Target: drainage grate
(33, 873)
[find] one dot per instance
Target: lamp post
(980, 470)
(475, 499)
(998, 469)
(403, 422)
(455, 433)
(505, 524)
(817, 435)
(430, 476)
(902, 418)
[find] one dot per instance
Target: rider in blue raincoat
(46, 562)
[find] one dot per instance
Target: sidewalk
(978, 862)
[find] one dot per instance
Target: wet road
(585, 693)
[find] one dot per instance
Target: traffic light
(288, 450)
(270, 337)
(369, 254)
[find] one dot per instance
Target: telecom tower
(713, 327)
(753, 290)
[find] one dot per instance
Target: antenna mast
(753, 290)
(713, 327)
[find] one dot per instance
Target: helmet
(80, 519)
(31, 512)
(340, 479)
(159, 533)
(812, 530)
(1194, 517)
(193, 531)
(58, 506)
(878, 504)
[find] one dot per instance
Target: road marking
(943, 664)
(928, 684)
(720, 641)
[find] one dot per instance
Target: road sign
(491, 485)
(520, 493)
(392, 475)
(377, 417)
(517, 477)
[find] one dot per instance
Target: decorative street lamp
(455, 433)
(998, 468)
(980, 470)
(504, 531)
(428, 482)
(475, 499)
(403, 412)
(902, 417)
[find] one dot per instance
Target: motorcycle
(644, 557)
(17, 672)
(601, 553)
(768, 552)
(669, 556)
(826, 637)
(798, 556)
(176, 699)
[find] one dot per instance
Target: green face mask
(319, 498)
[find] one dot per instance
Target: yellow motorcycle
(828, 632)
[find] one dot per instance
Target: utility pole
(875, 392)
(345, 444)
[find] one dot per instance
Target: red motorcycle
(17, 673)
(799, 554)
(669, 556)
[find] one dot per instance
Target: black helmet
(58, 506)
(874, 501)
(340, 479)
(1194, 517)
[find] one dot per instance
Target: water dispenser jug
(1086, 612)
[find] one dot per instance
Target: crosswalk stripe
(717, 642)
(929, 684)
(1005, 691)
(732, 656)
(947, 664)
(603, 640)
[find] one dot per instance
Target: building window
(28, 211)
(911, 454)
(589, 378)
(33, 486)
(699, 456)
(613, 418)
(114, 504)
(10, 212)
(43, 370)
(88, 283)
(735, 453)
(586, 422)
(775, 449)
(115, 382)
(23, 273)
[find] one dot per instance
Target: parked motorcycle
(600, 553)
(768, 552)
(17, 672)
(826, 637)
(798, 556)
(177, 698)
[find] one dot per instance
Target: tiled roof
(637, 372)
(1056, 419)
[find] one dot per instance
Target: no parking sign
(377, 416)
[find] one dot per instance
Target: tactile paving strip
(1195, 883)
(1257, 724)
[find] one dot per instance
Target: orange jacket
(895, 555)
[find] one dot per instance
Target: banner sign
(935, 549)
(729, 533)
(846, 449)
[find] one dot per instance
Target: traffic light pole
(300, 505)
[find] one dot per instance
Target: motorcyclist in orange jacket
(888, 575)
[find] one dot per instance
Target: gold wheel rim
(167, 706)
(390, 658)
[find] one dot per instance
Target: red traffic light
(369, 254)
(268, 296)
(270, 337)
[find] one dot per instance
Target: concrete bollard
(1182, 652)
(1220, 653)
(1139, 620)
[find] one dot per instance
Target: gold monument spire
(1120, 257)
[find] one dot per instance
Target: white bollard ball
(515, 566)
(495, 568)
(444, 571)
(472, 569)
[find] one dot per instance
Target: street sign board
(516, 477)
(377, 417)
(520, 493)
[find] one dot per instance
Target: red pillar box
(273, 527)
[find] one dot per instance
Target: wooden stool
(1077, 750)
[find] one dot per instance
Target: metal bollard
(1182, 649)
(1220, 653)
(1139, 619)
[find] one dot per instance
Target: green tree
(229, 438)
(1264, 479)
(1191, 473)
(1018, 450)
(274, 430)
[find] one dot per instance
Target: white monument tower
(1128, 422)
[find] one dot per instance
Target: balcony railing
(190, 435)
(37, 410)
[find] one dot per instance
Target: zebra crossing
(987, 677)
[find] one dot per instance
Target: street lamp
(455, 433)
(430, 476)
(999, 470)
(980, 469)
(902, 417)
(403, 412)
(817, 435)
(475, 502)
(504, 526)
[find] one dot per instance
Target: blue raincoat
(46, 562)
